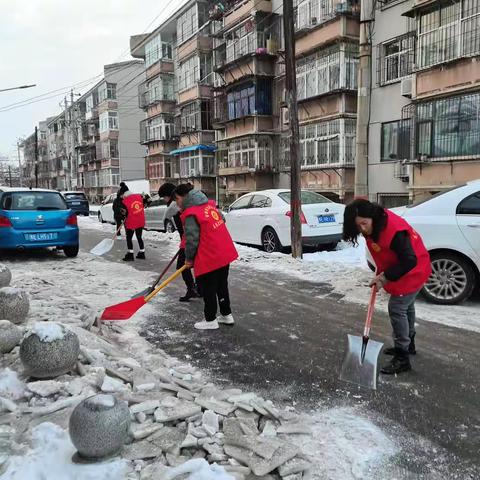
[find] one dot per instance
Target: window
(156, 49)
(161, 88)
(195, 69)
(195, 116)
(108, 121)
(448, 32)
(197, 164)
(158, 128)
(395, 142)
(33, 201)
(307, 198)
(260, 201)
(108, 177)
(470, 206)
(449, 127)
(189, 22)
(241, 203)
(107, 91)
(110, 149)
(331, 69)
(396, 59)
(89, 103)
(250, 99)
(309, 13)
(250, 153)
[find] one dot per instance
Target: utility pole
(363, 102)
(20, 173)
(291, 98)
(36, 157)
(10, 175)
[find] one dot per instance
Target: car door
(255, 218)
(468, 220)
(109, 217)
(235, 218)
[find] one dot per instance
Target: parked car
(78, 202)
(37, 218)
(449, 224)
(156, 216)
(105, 212)
(263, 219)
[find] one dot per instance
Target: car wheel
(270, 241)
(100, 218)
(452, 280)
(71, 252)
(169, 226)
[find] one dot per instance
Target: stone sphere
(10, 336)
(99, 426)
(5, 276)
(49, 350)
(14, 304)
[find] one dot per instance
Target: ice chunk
(102, 400)
(199, 469)
(10, 386)
(47, 331)
(45, 388)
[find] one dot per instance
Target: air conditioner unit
(176, 175)
(406, 87)
(285, 116)
(192, 172)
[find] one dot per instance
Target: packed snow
(11, 387)
(11, 290)
(199, 469)
(47, 331)
(51, 458)
(101, 400)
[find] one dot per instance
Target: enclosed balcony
(160, 89)
(243, 9)
(157, 129)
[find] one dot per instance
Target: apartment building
(57, 152)
(36, 172)
(430, 138)
(250, 114)
(176, 97)
(104, 122)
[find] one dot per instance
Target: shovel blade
(354, 370)
(144, 293)
(124, 310)
(103, 247)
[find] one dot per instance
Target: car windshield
(74, 196)
(33, 201)
(439, 194)
(308, 198)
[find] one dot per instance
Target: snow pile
(51, 458)
(3, 268)
(11, 290)
(47, 331)
(101, 400)
(345, 254)
(199, 469)
(11, 386)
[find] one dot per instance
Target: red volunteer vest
(386, 258)
(215, 248)
(136, 212)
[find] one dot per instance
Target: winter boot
(128, 257)
(411, 348)
(141, 255)
(191, 293)
(226, 319)
(399, 363)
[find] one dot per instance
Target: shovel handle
(117, 230)
(166, 269)
(371, 307)
(171, 278)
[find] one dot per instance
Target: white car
(449, 224)
(263, 219)
(155, 214)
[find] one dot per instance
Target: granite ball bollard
(5, 276)
(14, 304)
(99, 426)
(10, 336)
(49, 350)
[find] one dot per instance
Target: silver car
(156, 216)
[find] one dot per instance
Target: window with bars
(197, 164)
(195, 116)
(395, 141)
(110, 149)
(196, 69)
(331, 69)
(251, 153)
(396, 59)
(448, 32)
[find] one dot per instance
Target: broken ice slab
(294, 466)
(147, 407)
(190, 442)
(220, 407)
(168, 439)
(45, 388)
(145, 431)
(178, 409)
(295, 428)
(140, 450)
(210, 422)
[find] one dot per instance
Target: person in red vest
(403, 267)
(209, 249)
(134, 221)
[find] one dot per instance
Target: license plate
(40, 237)
(75, 203)
(326, 219)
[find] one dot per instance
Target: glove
(379, 281)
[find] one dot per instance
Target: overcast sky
(58, 43)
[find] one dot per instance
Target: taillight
(302, 217)
(5, 222)
(72, 220)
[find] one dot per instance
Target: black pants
(214, 286)
(186, 274)
(138, 234)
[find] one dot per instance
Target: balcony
(157, 130)
(164, 65)
(243, 9)
(110, 162)
(149, 95)
(91, 115)
(199, 43)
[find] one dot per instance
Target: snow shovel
(151, 288)
(125, 310)
(361, 359)
(106, 244)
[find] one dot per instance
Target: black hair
(366, 209)
(183, 189)
(166, 190)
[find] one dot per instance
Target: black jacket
(119, 210)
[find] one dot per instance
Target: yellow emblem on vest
(376, 248)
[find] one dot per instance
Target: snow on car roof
(23, 189)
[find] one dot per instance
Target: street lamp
(17, 88)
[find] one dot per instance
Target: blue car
(78, 202)
(36, 218)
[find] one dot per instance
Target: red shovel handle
(371, 307)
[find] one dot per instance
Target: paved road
(289, 342)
